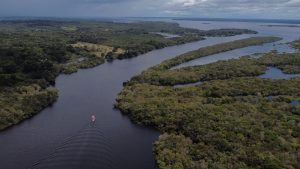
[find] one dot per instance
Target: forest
(160, 74)
(233, 120)
(34, 52)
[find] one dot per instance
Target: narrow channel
(87, 92)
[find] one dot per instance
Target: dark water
(89, 148)
(61, 133)
(277, 74)
(295, 103)
(91, 91)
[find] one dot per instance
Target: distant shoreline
(282, 21)
(291, 26)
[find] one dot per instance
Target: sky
(266, 9)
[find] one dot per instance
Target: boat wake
(87, 149)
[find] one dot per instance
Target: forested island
(34, 52)
(234, 119)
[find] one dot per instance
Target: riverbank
(229, 117)
(87, 92)
(153, 74)
(34, 52)
(22, 102)
(93, 91)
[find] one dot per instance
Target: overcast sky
(282, 9)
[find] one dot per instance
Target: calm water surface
(277, 74)
(295, 103)
(287, 33)
(62, 133)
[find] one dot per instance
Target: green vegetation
(229, 121)
(288, 63)
(34, 52)
(22, 102)
(296, 44)
(160, 74)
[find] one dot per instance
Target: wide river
(62, 135)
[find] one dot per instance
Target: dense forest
(233, 120)
(160, 74)
(34, 52)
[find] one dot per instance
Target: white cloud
(238, 8)
(195, 8)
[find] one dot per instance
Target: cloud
(195, 8)
(236, 8)
(98, 1)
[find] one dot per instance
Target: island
(234, 118)
(34, 52)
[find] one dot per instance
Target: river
(93, 91)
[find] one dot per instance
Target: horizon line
(166, 17)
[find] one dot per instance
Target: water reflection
(295, 103)
(237, 53)
(94, 90)
(89, 148)
(277, 74)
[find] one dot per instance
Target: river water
(61, 134)
(277, 74)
